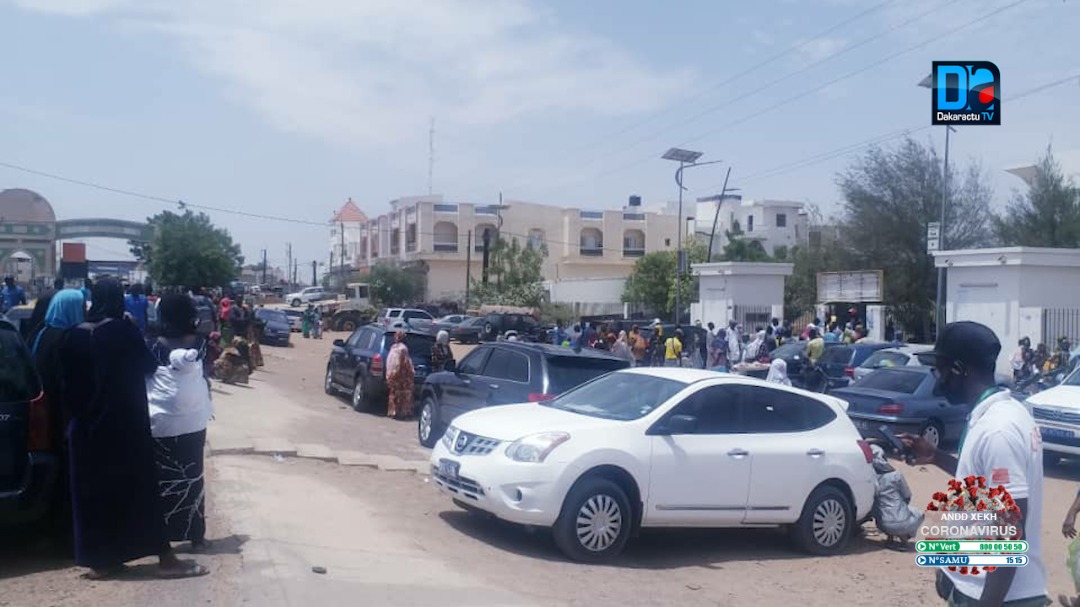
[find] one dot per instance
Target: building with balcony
(773, 223)
(443, 239)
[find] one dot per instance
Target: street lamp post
(686, 159)
(939, 299)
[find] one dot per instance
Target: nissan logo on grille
(461, 442)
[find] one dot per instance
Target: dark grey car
(902, 399)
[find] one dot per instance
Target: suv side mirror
(681, 424)
(339, 343)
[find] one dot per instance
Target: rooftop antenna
(431, 157)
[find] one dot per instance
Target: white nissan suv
(1057, 412)
(663, 447)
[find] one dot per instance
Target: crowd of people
(1031, 363)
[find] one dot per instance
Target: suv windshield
(273, 316)
(18, 381)
(905, 382)
(621, 396)
(566, 372)
(884, 358)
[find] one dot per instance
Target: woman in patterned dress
(400, 376)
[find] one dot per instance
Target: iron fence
(1058, 323)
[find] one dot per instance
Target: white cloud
(361, 72)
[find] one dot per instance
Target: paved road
(387, 538)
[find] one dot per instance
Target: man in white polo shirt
(1003, 444)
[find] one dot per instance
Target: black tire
(346, 324)
(826, 524)
(932, 432)
(360, 399)
(328, 383)
(593, 497)
(489, 330)
(429, 407)
(295, 303)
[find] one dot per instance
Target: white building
(346, 232)
(750, 293)
(1016, 291)
(773, 223)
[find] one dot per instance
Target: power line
(750, 70)
(792, 99)
(168, 201)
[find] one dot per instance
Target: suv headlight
(449, 437)
(536, 447)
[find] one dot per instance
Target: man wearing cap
(1002, 443)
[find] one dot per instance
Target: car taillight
(539, 397)
(850, 372)
(891, 409)
(867, 453)
(376, 364)
(40, 431)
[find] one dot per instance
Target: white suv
(663, 447)
(307, 295)
(1057, 412)
(394, 318)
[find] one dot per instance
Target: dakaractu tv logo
(967, 92)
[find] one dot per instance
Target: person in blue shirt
(88, 285)
(136, 305)
(12, 294)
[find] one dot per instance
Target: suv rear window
(904, 382)
(837, 355)
(419, 345)
(18, 380)
(566, 372)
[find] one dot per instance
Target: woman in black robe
(117, 513)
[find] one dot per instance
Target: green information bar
(971, 546)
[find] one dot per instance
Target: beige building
(439, 238)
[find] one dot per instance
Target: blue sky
(287, 108)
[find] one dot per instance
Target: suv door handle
(494, 386)
(738, 453)
(815, 453)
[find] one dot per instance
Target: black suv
(503, 373)
(497, 324)
(29, 461)
(357, 365)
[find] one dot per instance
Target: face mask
(950, 388)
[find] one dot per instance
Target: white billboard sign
(851, 287)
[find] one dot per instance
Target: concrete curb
(283, 448)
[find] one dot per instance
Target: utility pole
(716, 216)
(468, 266)
(314, 277)
(342, 257)
(295, 271)
(487, 250)
(264, 267)
(290, 275)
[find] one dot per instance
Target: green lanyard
(963, 435)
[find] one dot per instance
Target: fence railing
(1060, 322)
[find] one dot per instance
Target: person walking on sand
(400, 379)
(114, 487)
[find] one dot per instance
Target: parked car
(502, 373)
(399, 317)
(794, 354)
(448, 322)
(296, 320)
(662, 447)
(903, 400)
(498, 324)
(357, 364)
(1057, 413)
(839, 362)
(901, 356)
(307, 295)
(468, 332)
(278, 328)
(29, 441)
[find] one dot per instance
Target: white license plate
(449, 468)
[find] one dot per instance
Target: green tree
(653, 281)
(890, 195)
(515, 275)
(1048, 215)
(740, 248)
(392, 285)
(188, 250)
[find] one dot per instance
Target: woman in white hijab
(778, 372)
(753, 350)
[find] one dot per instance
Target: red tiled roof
(349, 212)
